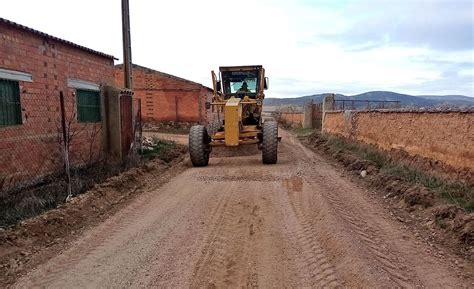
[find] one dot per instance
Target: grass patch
(304, 132)
(164, 150)
(441, 223)
(361, 151)
(455, 192)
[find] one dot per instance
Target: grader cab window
(239, 83)
(249, 84)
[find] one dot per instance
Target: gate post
(117, 123)
(328, 105)
(111, 123)
(308, 115)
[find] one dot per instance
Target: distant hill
(405, 99)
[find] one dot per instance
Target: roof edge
(120, 65)
(42, 34)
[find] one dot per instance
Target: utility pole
(126, 101)
(127, 47)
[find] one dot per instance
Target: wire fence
(33, 146)
(361, 104)
(289, 115)
(51, 150)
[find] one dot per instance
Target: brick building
(34, 68)
(165, 97)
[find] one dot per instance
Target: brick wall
(167, 98)
(31, 149)
(442, 136)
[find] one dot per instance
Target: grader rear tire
(270, 142)
(199, 148)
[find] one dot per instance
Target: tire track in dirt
(115, 234)
(87, 248)
(397, 257)
(368, 235)
(221, 263)
(211, 264)
(254, 232)
(351, 218)
(314, 262)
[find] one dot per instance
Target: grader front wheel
(199, 148)
(270, 142)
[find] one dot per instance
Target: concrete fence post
(112, 123)
(329, 104)
(308, 115)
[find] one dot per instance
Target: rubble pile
(148, 143)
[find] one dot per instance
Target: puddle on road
(293, 184)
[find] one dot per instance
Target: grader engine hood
(232, 118)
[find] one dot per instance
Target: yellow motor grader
(237, 103)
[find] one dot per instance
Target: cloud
(307, 47)
(449, 84)
(439, 25)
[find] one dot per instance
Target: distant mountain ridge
(405, 99)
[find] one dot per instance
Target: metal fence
(290, 115)
(44, 137)
(350, 104)
(52, 146)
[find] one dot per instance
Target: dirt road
(240, 223)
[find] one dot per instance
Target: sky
(307, 47)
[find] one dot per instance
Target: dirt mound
(447, 211)
(419, 195)
(463, 225)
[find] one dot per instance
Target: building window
(88, 105)
(10, 107)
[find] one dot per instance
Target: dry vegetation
(22, 203)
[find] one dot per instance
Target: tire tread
(270, 142)
(198, 148)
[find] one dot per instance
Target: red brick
(160, 92)
(24, 151)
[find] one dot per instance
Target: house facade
(34, 68)
(167, 98)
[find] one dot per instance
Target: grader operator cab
(237, 104)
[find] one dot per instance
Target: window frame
(15, 105)
(81, 117)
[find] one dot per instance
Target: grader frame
(239, 115)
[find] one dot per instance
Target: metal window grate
(10, 106)
(88, 105)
